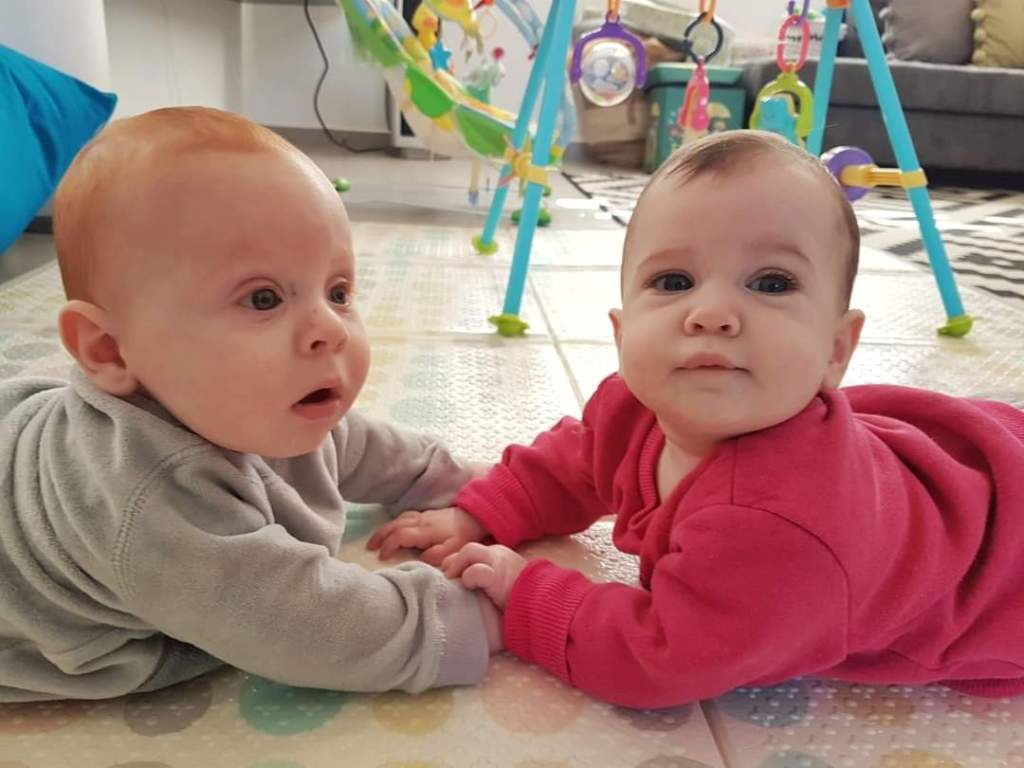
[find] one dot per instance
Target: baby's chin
(272, 446)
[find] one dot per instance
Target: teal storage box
(665, 89)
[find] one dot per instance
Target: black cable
(319, 84)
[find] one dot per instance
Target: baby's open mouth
(322, 403)
(318, 396)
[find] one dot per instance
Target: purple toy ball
(839, 158)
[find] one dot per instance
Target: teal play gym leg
(865, 174)
(549, 69)
(484, 242)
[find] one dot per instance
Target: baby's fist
(493, 569)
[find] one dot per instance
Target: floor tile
(479, 395)
(907, 307)
(576, 301)
(954, 366)
(813, 724)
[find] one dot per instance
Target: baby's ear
(843, 344)
(615, 315)
(85, 332)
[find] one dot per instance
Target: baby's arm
(533, 492)
(379, 462)
(202, 561)
(546, 488)
(741, 597)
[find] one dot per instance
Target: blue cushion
(46, 116)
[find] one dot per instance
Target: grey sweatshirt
(134, 555)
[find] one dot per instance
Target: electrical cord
(319, 84)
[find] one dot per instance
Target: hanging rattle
(694, 117)
(603, 65)
(786, 105)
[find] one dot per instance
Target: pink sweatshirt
(877, 536)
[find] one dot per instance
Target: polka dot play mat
(437, 366)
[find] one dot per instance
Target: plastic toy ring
(615, 31)
(805, 43)
(688, 43)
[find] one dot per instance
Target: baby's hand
(494, 569)
(437, 532)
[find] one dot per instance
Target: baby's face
(234, 303)
(732, 301)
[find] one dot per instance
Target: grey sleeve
(381, 463)
(198, 558)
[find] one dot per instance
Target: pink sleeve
(743, 597)
(545, 489)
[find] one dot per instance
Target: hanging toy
(479, 83)
(705, 18)
(440, 56)
(426, 24)
(789, 102)
(694, 118)
(486, 76)
(603, 64)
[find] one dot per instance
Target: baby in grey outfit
(180, 503)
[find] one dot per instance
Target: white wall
(256, 59)
(756, 19)
(174, 53)
(71, 37)
(281, 64)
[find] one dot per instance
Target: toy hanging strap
(694, 113)
(707, 10)
(791, 8)
(613, 10)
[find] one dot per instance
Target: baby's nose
(712, 316)
(325, 331)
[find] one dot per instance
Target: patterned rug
(983, 229)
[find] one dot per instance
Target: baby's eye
(773, 282)
(673, 282)
(340, 294)
(263, 300)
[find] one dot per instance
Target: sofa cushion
(45, 118)
(922, 87)
(999, 33)
(926, 30)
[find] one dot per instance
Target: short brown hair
(726, 151)
(80, 207)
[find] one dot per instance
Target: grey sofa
(962, 118)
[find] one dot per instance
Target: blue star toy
(439, 56)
